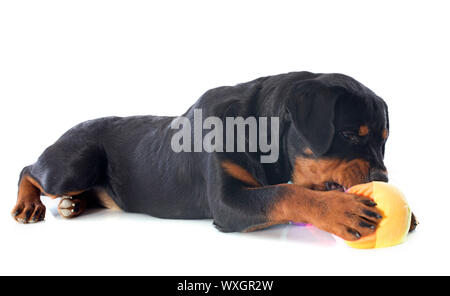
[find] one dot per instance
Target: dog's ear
(310, 106)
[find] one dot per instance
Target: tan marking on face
(385, 134)
(363, 130)
(239, 173)
(314, 173)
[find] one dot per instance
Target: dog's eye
(351, 136)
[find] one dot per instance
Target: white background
(63, 62)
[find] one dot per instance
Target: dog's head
(337, 134)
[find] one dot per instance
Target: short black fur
(132, 160)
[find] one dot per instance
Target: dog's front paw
(345, 215)
(27, 211)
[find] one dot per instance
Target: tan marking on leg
(29, 208)
(37, 185)
(291, 205)
(264, 226)
(333, 211)
(28, 189)
(105, 200)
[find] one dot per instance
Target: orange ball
(394, 227)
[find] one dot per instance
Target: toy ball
(394, 226)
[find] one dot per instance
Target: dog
(332, 135)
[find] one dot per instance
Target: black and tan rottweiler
(332, 135)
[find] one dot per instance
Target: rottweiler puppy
(331, 135)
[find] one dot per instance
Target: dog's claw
(372, 214)
(355, 233)
(368, 225)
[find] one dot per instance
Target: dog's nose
(378, 175)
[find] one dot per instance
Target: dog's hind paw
(71, 207)
(29, 212)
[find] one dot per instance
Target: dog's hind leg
(71, 168)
